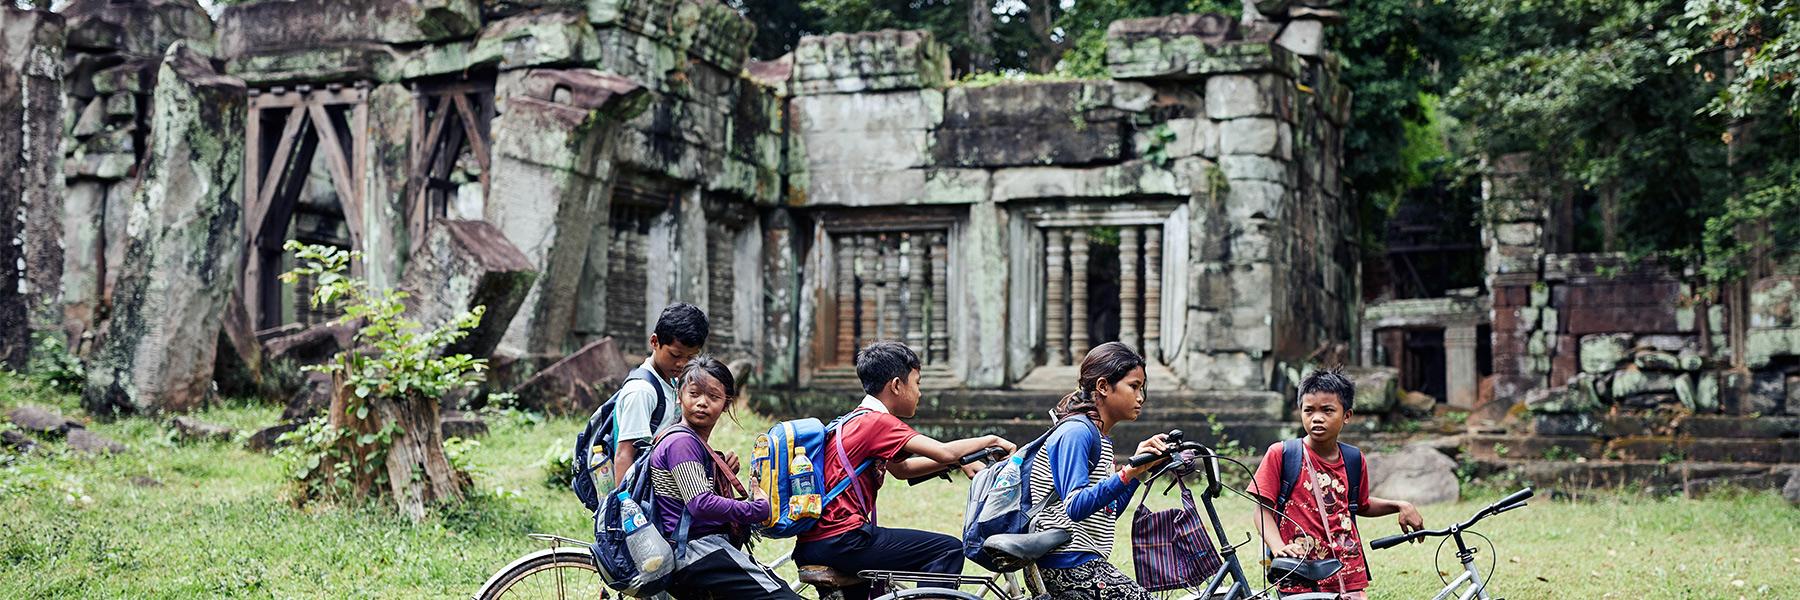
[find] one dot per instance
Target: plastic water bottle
(647, 547)
(1004, 496)
(801, 475)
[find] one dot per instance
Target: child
(1318, 523)
(1074, 478)
(686, 473)
(846, 537)
(679, 334)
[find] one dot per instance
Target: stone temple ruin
(575, 165)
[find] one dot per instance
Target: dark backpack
(994, 510)
(598, 437)
(1292, 452)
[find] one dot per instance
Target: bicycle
(1470, 576)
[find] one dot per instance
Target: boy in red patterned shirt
(1318, 523)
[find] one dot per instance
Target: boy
(846, 537)
(680, 333)
(1318, 523)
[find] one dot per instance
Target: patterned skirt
(1094, 580)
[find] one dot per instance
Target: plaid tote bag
(1170, 547)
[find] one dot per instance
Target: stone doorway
(304, 175)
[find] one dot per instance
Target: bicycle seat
(820, 576)
(1302, 572)
(1013, 551)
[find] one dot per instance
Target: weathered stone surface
(708, 30)
(40, 420)
(267, 25)
(18, 442)
(1578, 396)
(190, 429)
(313, 345)
(1762, 346)
(1657, 361)
(1132, 178)
(88, 442)
(1377, 388)
(31, 189)
(1791, 490)
(1602, 352)
(1267, 137)
(1189, 47)
(181, 263)
(1033, 124)
(1417, 473)
(462, 265)
(1632, 381)
(459, 425)
(1775, 303)
(1417, 403)
(1192, 137)
(1304, 37)
(311, 400)
(145, 28)
(1237, 96)
(535, 40)
(577, 384)
(871, 61)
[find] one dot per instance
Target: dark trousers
(725, 573)
(881, 548)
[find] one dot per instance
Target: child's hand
(756, 490)
(1292, 550)
(731, 461)
(1410, 520)
(1157, 444)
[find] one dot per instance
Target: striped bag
(1170, 547)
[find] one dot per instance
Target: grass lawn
(185, 521)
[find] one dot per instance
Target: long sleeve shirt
(682, 474)
(1075, 476)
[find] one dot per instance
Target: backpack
(787, 460)
(598, 438)
(1000, 498)
(1292, 452)
(611, 547)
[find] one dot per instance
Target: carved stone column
(867, 288)
(846, 298)
(1153, 293)
(915, 311)
(891, 286)
(1460, 375)
(939, 351)
(1056, 311)
(1129, 255)
(1078, 295)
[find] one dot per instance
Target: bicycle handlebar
(1515, 500)
(1173, 438)
(988, 454)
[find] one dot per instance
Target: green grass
(212, 520)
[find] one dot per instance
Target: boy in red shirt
(846, 537)
(1319, 524)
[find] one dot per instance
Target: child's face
(670, 358)
(1323, 416)
(703, 399)
(905, 395)
(1123, 401)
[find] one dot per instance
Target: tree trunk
(981, 35)
(1042, 20)
(361, 457)
(418, 472)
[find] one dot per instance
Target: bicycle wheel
(930, 594)
(550, 573)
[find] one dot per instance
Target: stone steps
(1648, 447)
(1699, 426)
(1655, 476)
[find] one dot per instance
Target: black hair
(1328, 381)
(682, 322)
(1111, 361)
(884, 361)
(713, 369)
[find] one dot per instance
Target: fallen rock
(266, 439)
(1417, 473)
(17, 441)
(1657, 361)
(577, 384)
(313, 345)
(311, 400)
(1377, 388)
(462, 265)
(1602, 352)
(462, 426)
(88, 442)
(42, 421)
(1417, 404)
(1578, 396)
(190, 429)
(1791, 491)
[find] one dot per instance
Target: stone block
(180, 265)
(1657, 361)
(1133, 178)
(1213, 370)
(1258, 95)
(1762, 346)
(42, 421)
(536, 40)
(31, 189)
(1377, 388)
(1238, 167)
(87, 442)
(1190, 137)
(135, 76)
(1185, 47)
(462, 265)
(1775, 303)
(139, 28)
(1065, 143)
(706, 29)
(1305, 37)
(1579, 396)
(1602, 352)
(1267, 137)
(576, 385)
(1631, 381)
(274, 25)
(189, 429)
(1417, 473)
(872, 61)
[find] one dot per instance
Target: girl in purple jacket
(687, 474)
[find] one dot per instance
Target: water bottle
(1005, 495)
(648, 549)
(800, 473)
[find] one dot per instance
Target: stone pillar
(780, 298)
(1078, 295)
(180, 268)
(1153, 293)
(1460, 371)
(1056, 312)
(552, 177)
(868, 305)
(1129, 292)
(31, 196)
(846, 298)
(940, 299)
(983, 262)
(891, 285)
(916, 312)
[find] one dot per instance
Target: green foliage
(1761, 40)
(558, 465)
(1158, 151)
(1560, 454)
(55, 365)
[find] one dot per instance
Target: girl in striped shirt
(1078, 486)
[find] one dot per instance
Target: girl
(687, 473)
(1074, 478)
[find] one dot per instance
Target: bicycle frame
(1470, 576)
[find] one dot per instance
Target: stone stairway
(1678, 453)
